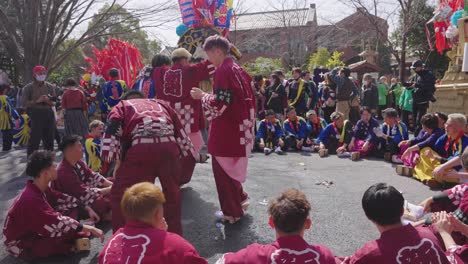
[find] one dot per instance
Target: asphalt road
(337, 218)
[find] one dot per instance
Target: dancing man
(155, 140)
(230, 108)
(178, 81)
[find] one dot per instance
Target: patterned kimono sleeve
(111, 148)
(457, 193)
(216, 103)
(203, 70)
(184, 142)
(50, 223)
(91, 178)
(74, 186)
(61, 202)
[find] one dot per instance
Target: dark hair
(430, 121)
(70, 82)
(269, 112)
(364, 109)
(114, 73)
(289, 109)
(258, 77)
(442, 116)
(160, 60)
(279, 73)
(346, 71)
(3, 87)
(68, 141)
(276, 78)
(289, 211)
(133, 93)
(390, 112)
(39, 161)
(383, 204)
(297, 70)
(217, 41)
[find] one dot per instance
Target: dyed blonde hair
(141, 201)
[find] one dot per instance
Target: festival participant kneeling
(364, 139)
(398, 243)
(289, 216)
(392, 133)
(33, 227)
(337, 135)
(144, 238)
(295, 128)
(435, 163)
(270, 134)
(76, 179)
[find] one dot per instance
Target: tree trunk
(403, 59)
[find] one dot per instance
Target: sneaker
(307, 149)
(267, 151)
(225, 218)
(279, 151)
(344, 155)
(396, 159)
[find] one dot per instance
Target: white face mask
(41, 78)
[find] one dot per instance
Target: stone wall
(451, 98)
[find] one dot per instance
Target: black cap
(417, 63)
(390, 112)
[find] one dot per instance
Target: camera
(52, 98)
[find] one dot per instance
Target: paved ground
(337, 217)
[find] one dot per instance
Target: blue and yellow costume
(23, 133)
(93, 153)
(314, 130)
(271, 133)
(7, 113)
(112, 92)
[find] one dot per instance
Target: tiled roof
(274, 19)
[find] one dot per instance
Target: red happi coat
(289, 249)
(35, 214)
(230, 108)
(403, 245)
(142, 118)
(138, 242)
(79, 181)
(178, 81)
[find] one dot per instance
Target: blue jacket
(439, 146)
(397, 133)
(264, 129)
(365, 131)
(329, 132)
(314, 133)
(146, 86)
(301, 131)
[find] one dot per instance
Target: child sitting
(270, 134)
(393, 132)
(144, 238)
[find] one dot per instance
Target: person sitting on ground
(35, 226)
(392, 133)
(427, 138)
(270, 134)
(93, 147)
(450, 200)
(76, 179)
(337, 135)
(364, 139)
(398, 243)
(144, 238)
(315, 126)
(289, 216)
(446, 224)
(295, 128)
(433, 163)
(443, 117)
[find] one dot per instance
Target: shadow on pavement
(202, 232)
